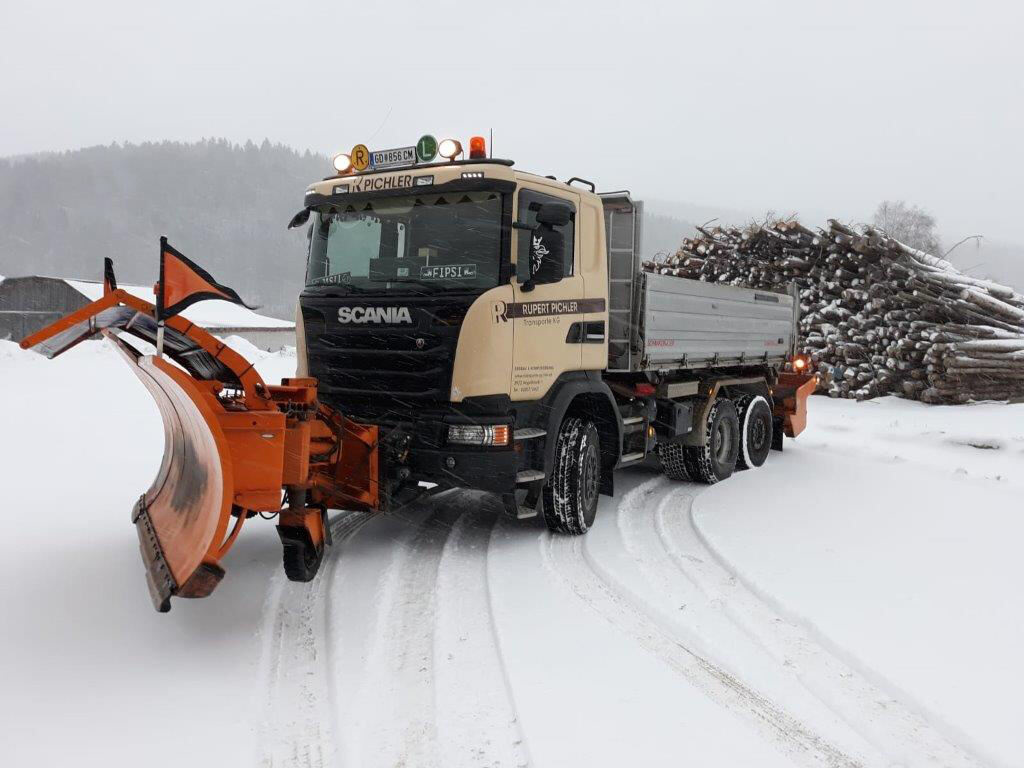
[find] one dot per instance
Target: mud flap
(183, 517)
(790, 395)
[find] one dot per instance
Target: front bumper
(420, 452)
(456, 466)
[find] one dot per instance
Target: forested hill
(224, 205)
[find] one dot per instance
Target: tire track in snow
(433, 690)
(296, 729)
(565, 557)
(891, 728)
(396, 696)
(478, 724)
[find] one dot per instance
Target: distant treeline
(224, 205)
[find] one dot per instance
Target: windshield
(413, 243)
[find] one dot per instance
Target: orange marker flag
(183, 283)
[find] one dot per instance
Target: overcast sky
(814, 107)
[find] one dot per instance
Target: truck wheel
(570, 495)
(672, 461)
(756, 431)
(716, 459)
(302, 557)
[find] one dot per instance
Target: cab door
(544, 318)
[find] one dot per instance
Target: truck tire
(673, 463)
(755, 429)
(716, 459)
(301, 557)
(571, 493)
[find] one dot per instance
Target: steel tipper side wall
(692, 324)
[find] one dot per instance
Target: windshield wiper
(349, 289)
(434, 287)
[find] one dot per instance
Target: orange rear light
(477, 148)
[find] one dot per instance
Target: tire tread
(563, 505)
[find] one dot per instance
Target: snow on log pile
(877, 315)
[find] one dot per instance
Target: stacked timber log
(877, 316)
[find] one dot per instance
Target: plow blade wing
(232, 445)
(182, 519)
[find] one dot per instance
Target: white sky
(816, 107)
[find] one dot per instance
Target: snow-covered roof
(213, 313)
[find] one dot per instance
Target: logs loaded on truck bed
(877, 316)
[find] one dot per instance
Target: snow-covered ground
(855, 602)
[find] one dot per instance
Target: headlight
(475, 434)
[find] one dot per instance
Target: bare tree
(908, 224)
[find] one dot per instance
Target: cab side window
(529, 203)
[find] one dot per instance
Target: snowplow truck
(463, 325)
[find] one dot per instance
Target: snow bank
(445, 634)
(81, 648)
(892, 530)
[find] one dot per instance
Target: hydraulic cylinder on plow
(234, 447)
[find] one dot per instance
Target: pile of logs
(877, 316)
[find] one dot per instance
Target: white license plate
(391, 158)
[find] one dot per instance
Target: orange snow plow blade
(181, 520)
(232, 446)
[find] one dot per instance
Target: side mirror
(299, 219)
(554, 214)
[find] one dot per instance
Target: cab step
(530, 506)
(529, 476)
(524, 512)
(527, 433)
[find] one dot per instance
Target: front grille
(358, 364)
(384, 362)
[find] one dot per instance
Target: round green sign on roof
(426, 148)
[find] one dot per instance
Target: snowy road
(395, 655)
(685, 627)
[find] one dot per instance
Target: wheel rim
(591, 474)
(758, 434)
(723, 442)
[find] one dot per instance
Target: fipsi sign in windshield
(390, 158)
(448, 272)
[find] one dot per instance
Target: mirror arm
(522, 225)
(299, 218)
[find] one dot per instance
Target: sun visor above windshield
(347, 191)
